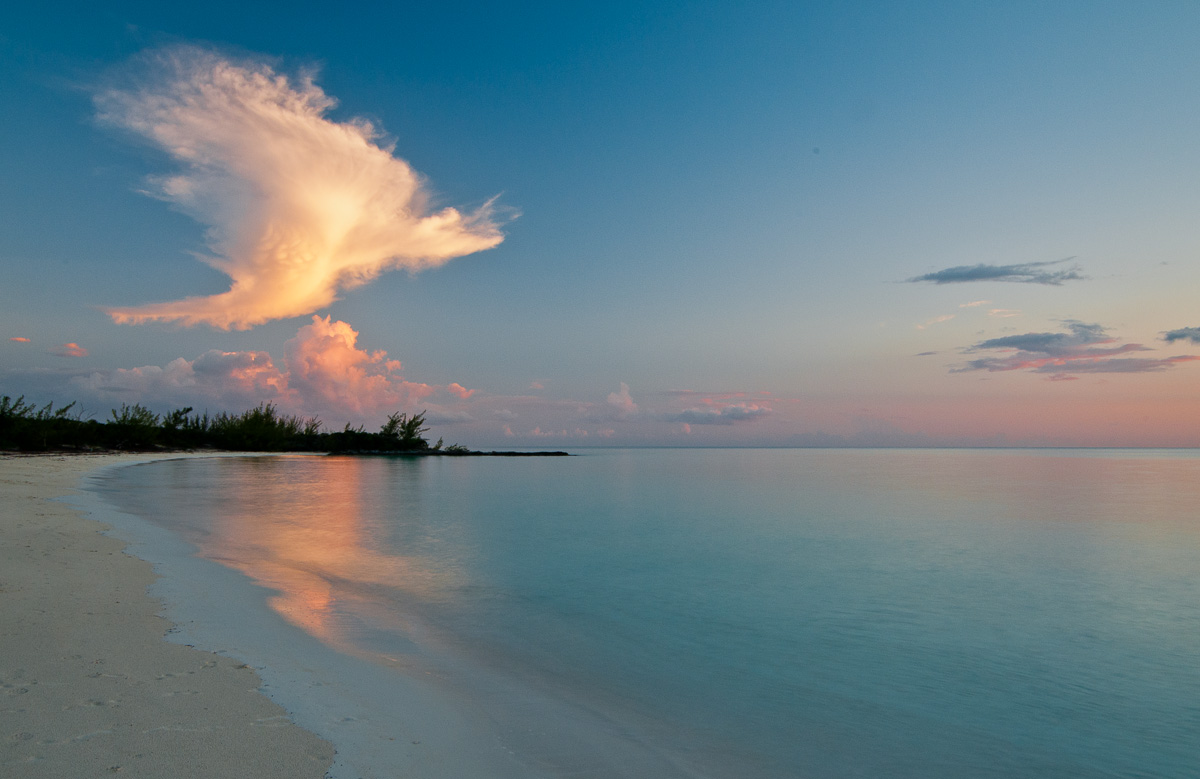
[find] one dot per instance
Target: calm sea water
(746, 613)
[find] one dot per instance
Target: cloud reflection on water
(321, 544)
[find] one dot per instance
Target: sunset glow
(316, 549)
(297, 206)
(807, 227)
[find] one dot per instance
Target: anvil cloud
(298, 206)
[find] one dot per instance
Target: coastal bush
(26, 427)
(406, 430)
(264, 429)
(132, 427)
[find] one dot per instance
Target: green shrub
(262, 428)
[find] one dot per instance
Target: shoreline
(341, 716)
(417, 709)
(89, 682)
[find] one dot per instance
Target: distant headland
(26, 427)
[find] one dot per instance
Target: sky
(617, 224)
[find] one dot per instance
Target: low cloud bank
(720, 415)
(324, 373)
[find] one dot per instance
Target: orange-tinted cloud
(298, 206)
(19, 339)
(326, 367)
(324, 372)
(71, 349)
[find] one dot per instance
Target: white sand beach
(88, 686)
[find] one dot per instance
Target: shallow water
(743, 613)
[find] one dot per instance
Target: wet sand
(88, 686)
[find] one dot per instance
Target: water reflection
(321, 543)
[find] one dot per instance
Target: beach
(89, 686)
(758, 614)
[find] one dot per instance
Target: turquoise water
(747, 613)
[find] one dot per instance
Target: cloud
(937, 320)
(1023, 273)
(1004, 313)
(712, 397)
(1078, 335)
(621, 402)
(447, 417)
(719, 415)
(1183, 334)
(1084, 348)
(536, 385)
(324, 372)
(459, 390)
(69, 350)
(974, 304)
(326, 367)
(19, 339)
(298, 206)
(537, 432)
(225, 378)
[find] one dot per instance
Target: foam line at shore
(87, 685)
(402, 727)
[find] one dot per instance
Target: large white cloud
(298, 206)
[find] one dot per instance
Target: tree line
(30, 428)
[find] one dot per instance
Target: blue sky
(718, 206)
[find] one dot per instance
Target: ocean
(721, 613)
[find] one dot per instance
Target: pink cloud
(324, 372)
(621, 402)
(71, 349)
(459, 390)
(326, 366)
(19, 339)
(298, 206)
(230, 379)
(1082, 348)
(937, 320)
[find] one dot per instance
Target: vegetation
(26, 427)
